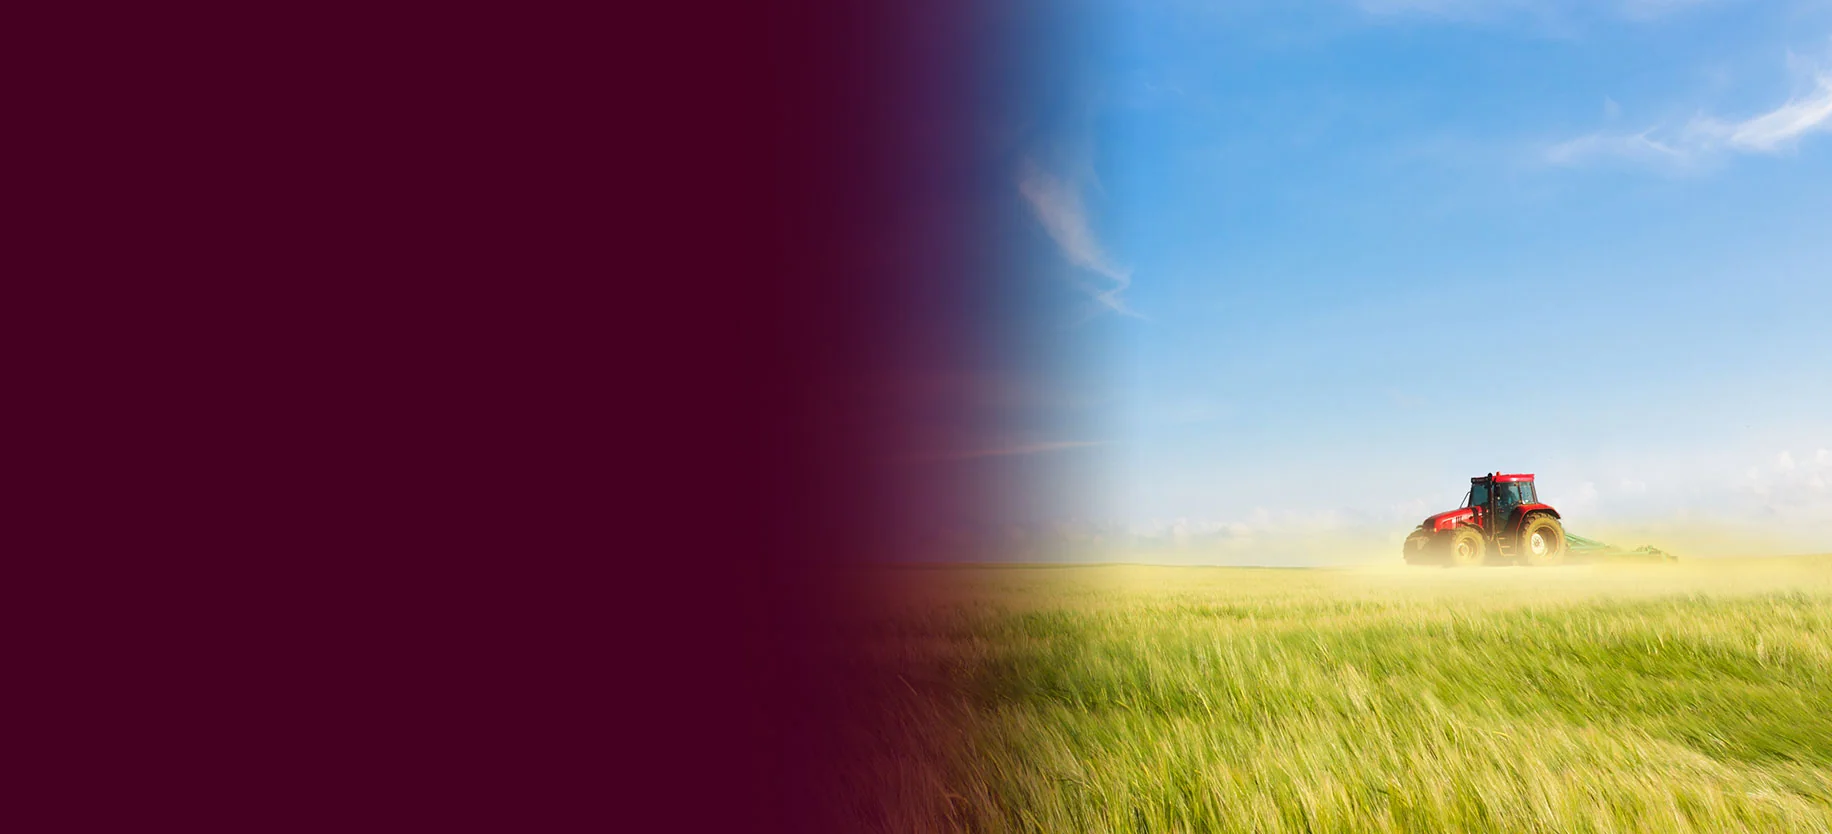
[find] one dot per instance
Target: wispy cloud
(1706, 137)
(1638, 147)
(1057, 203)
(1777, 129)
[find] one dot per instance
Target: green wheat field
(1623, 698)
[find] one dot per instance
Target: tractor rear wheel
(1418, 547)
(1467, 547)
(1542, 540)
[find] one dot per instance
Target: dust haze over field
(1312, 545)
(1690, 696)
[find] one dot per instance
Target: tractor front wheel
(1542, 540)
(1467, 547)
(1418, 547)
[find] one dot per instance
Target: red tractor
(1501, 522)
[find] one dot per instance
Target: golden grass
(1647, 698)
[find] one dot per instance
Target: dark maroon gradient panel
(485, 419)
(918, 321)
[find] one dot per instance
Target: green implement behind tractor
(1591, 549)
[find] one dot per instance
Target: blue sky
(1320, 262)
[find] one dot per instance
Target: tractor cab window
(1478, 495)
(1514, 493)
(1526, 493)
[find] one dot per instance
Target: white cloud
(1057, 203)
(1776, 130)
(1791, 487)
(1705, 137)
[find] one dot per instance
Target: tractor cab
(1496, 499)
